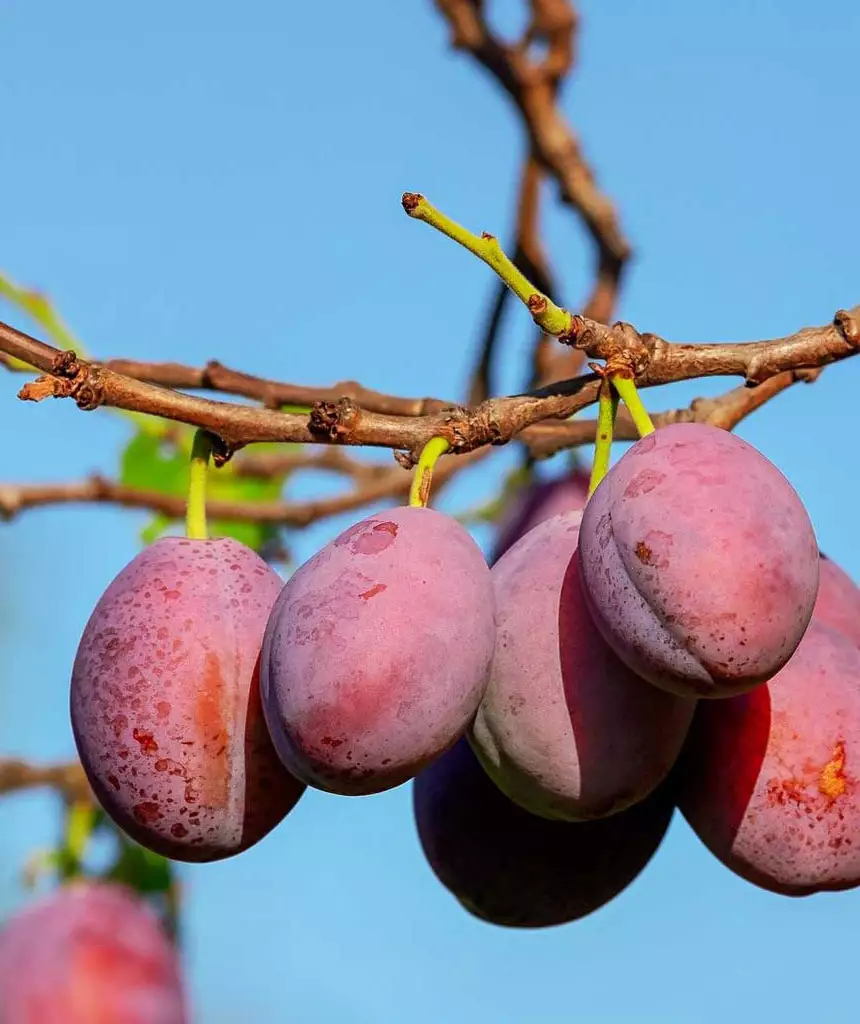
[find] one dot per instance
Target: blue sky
(194, 181)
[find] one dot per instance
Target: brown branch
(650, 359)
(331, 460)
(393, 485)
(67, 779)
(543, 439)
(273, 394)
(726, 411)
(533, 88)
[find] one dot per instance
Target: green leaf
(140, 869)
(151, 463)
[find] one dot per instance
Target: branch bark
(652, 360)
(67, 779)
(533, 87)
(393, 484)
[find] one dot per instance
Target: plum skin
(540, 500)
(514, 869)
(699, 562)
(838, 601)
(378, 651)
(89, 953)
(165, 701)
(565, 728)
(766, 779)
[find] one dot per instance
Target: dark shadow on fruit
(720, 764)
(627, 734)
(271, 792)
(512, 868)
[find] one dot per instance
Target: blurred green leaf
(140, 869)
(151, 463)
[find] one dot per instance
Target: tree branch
(726, 411)
(533, 88)
(653, 362)
(381, 482)
(67, 779)
(393, 484)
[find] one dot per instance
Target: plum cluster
(674, 641)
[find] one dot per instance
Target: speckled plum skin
(539, 501)
(378, 651)
(767, 779)
(90, 953)
(165, 701)
(512, 868)
(565, 728)
(838, 602)
(699, 562)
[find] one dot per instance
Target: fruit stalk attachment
(626, 388)
(195, 518)
(419, 493)
(606, 410)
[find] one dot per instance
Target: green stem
(419, 493)
(606, 409)
(195, 519)
(545, 313)
(631, 398)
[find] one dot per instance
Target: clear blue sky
(202, 180)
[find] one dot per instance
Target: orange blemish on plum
(643, 553)
(146, 741)
(147, 812)
(166, 764)
(212, 730)
(831, 781)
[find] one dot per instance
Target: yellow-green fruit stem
(419, 493)
(631, 398)
(606, 409)
(195, 518)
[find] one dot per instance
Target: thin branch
(67, 779)
(653, 362)
(331, 460)
(726, 411)
(545, 439)
(273, 394)
(393, 485)
(533, 88)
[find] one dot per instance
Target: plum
(766, 779)
(536, 502)
(509, 867)
(699, 562)
(838, 602)
(165, 701)
(89, 953)
(565, 728)
(378, 651)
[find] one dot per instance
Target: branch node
(411, 201)
(848, 326)
(334, 420)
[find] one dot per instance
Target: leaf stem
(195, 518)
(606, 410)
(545, 313)
(419, 493)
(632, 399)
